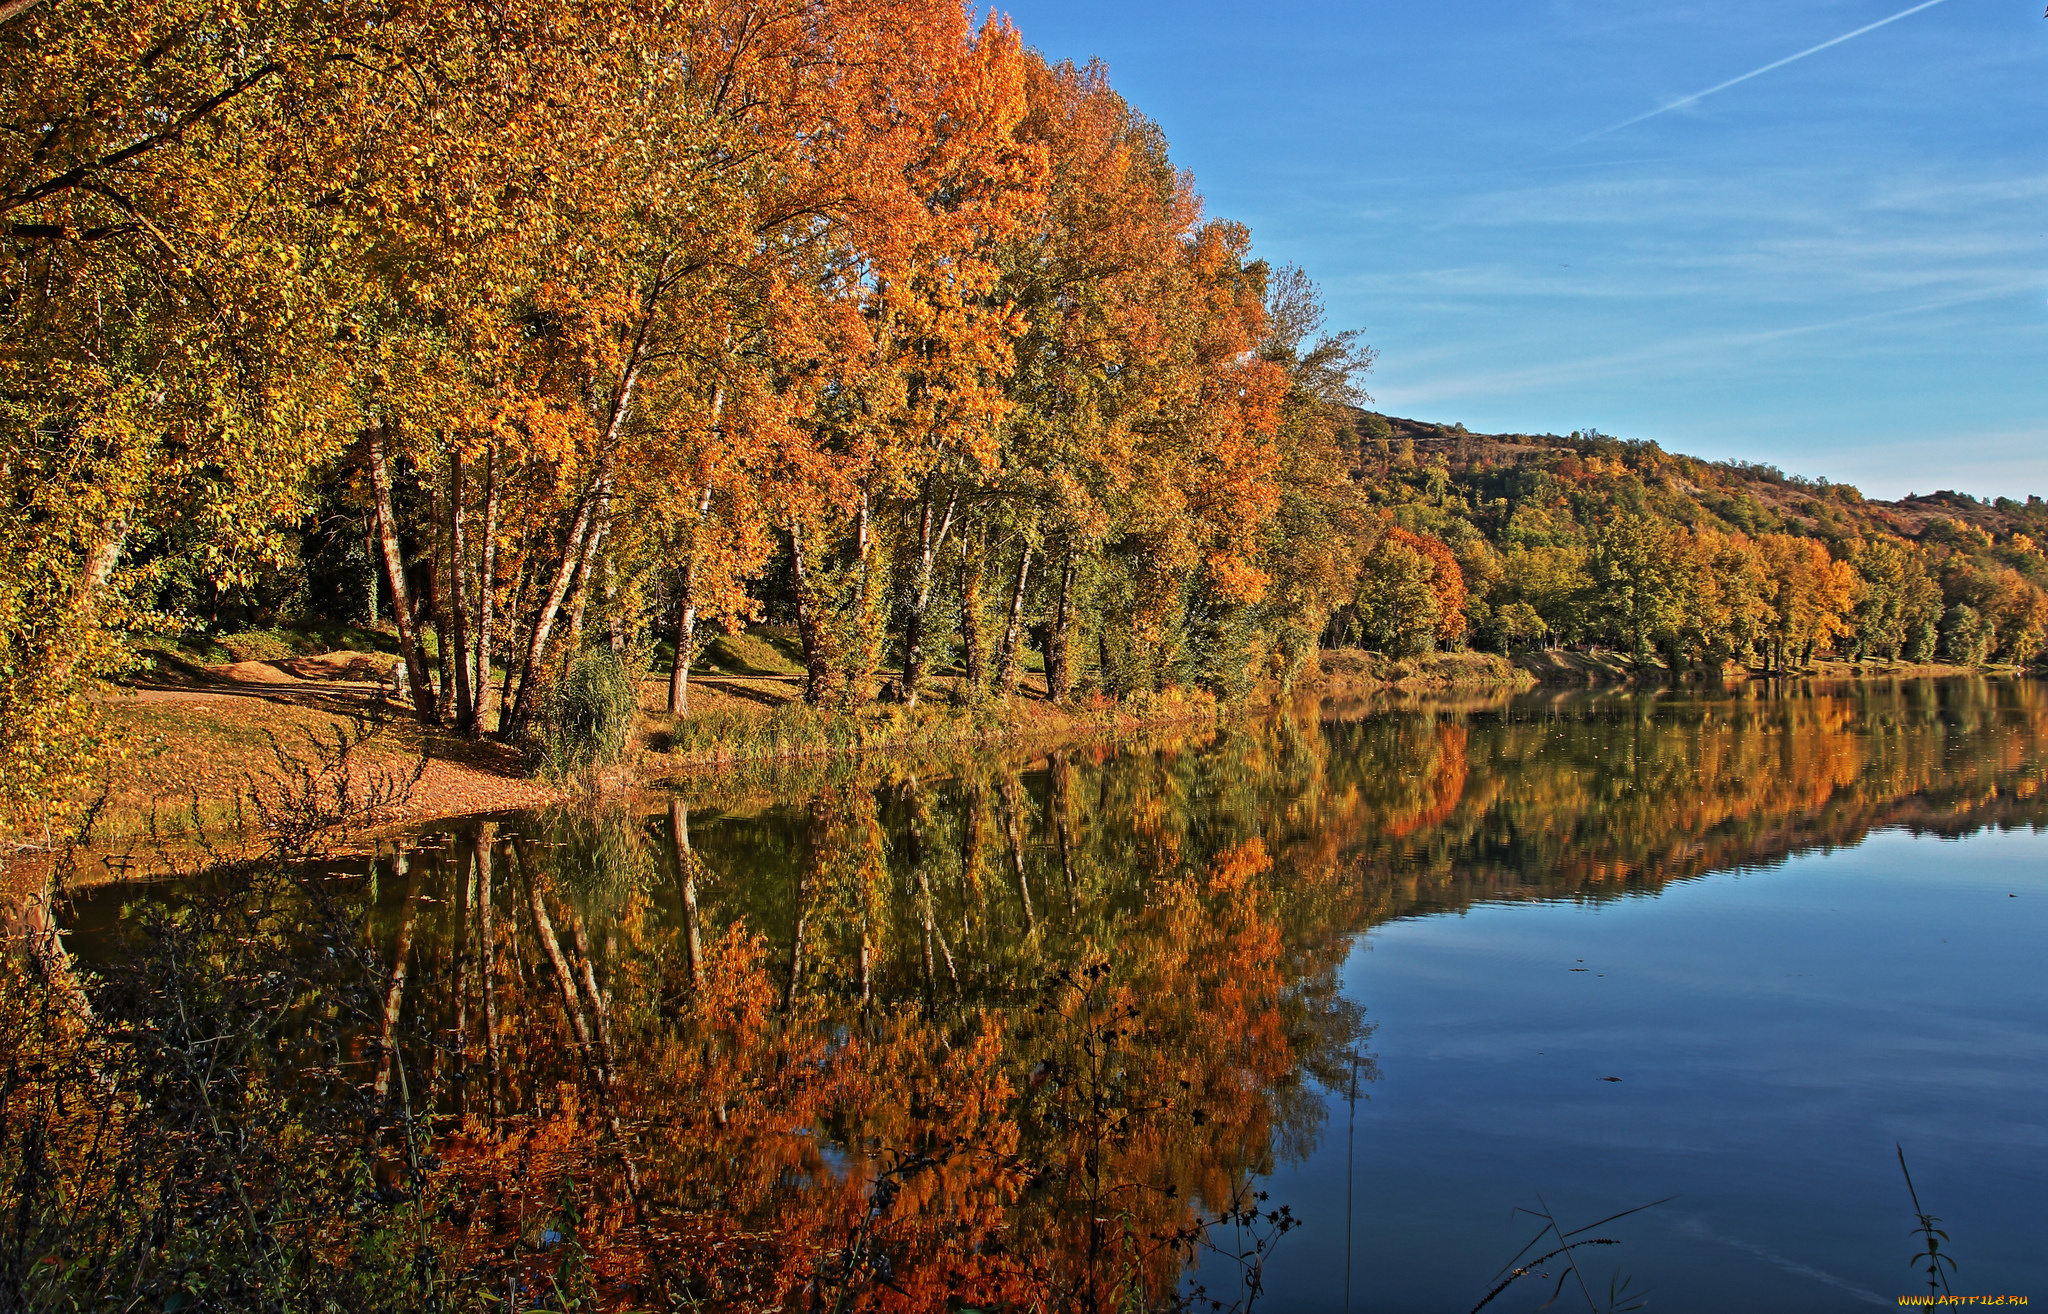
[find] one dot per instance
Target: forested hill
(1601, 539)
(1730, 495)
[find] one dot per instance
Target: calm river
(1368, 986)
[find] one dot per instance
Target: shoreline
(219, 750)
(1560, 666)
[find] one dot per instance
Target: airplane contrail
(1697, 96)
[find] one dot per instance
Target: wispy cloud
(1822, 238)
(1718, 87)
(1688, 352)
(1698, 1227)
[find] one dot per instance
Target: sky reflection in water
(1776, 1032)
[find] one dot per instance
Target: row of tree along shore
(571, 325)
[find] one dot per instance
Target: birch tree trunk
(614, 615)
(520, 579)
(817, 661)
(524, 702)
(593, 551)
(930, 538)
(458, 603)
(973, 654)
(86, 591)
(370, 555)
(582, 540)
(99, 568)
(394, 580)
(440, 595)
(859, 664)
(486, 587)
(684, 639)
(685, 636)
(596, 500)
(1009, 663)
(1059, 646)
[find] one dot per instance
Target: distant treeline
(1514, 541)
(562, 324)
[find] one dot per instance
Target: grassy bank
(1562, 666)
(194, 740)
(1346, 672)
(737, 720)
(715, 737)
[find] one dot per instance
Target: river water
(1332, 1011)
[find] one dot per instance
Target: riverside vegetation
(625, 323)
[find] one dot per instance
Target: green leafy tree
(1966, 636)
(1397, 610)
(1639, 580)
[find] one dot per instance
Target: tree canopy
(628, 321)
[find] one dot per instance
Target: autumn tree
(167, 322)
(1092, 280)
(1810, 595)
(1410, 595)
(1638, 580)
(1893, 596)
(1310, 549)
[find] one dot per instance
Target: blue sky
(1839, 266)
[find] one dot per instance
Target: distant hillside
(1733, 495)
(1590, 539)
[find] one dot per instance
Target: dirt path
(191, 745)
(192, 741)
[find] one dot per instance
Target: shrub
(588, 715)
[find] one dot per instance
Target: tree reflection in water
(1027, 1032)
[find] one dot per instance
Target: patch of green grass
(588, 717)
(728, 734)
(763, 650)
(280, 643)
(1354, 666)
